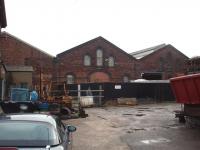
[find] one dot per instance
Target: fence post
(100, 95)
(3, 89)
(79, 93)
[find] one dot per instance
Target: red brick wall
(16, 52)
(72, 62)
(193, 65)
(167, 60)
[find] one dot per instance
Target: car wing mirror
(70, 128)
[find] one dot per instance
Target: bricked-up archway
(99, 77)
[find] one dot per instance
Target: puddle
(172, 126)
(131, 130)
(138, 129)
(127, 114)
(155, 141)
(140, 115)
(159, 108)
(143, 108)
(113, 126)
(102, 117)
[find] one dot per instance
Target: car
(34, 131)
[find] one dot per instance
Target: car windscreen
(27, 133)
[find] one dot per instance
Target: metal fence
(94, 91)
(159, 91)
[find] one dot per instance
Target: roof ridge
(82, 44)
(92, 40)
(13, 36)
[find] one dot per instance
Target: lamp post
(38, 67)
(38, 72)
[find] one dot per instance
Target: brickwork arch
(99, 77)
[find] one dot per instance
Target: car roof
(29, 117)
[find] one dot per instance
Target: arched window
(70, 79)
(161, 64)
(111, 61)
(99, 57)
(125, 79)
(87, 60)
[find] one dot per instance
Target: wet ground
(142, 127)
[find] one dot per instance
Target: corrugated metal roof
(195, 58)
(150, 81)
(19, 68)
(142, 53)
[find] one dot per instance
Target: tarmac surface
(141, 127)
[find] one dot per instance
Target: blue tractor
(21, 100)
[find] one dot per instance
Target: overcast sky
(58, 25)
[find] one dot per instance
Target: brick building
(2, 80)
(193, 65)
(3, 24)
(160, 62)
(97, 60)
(15, 52)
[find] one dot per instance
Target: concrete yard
(142, 127)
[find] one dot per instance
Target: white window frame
(87, 60)
(111, 61)
(70, 79)
(99, 54)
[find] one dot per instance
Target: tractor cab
(21, 100)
